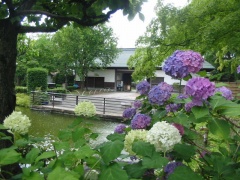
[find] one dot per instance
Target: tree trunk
(8, 53)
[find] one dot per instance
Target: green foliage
(21, 89)
(208, 26)
(58, 90)
(40, 98)
(23, 100)
(36, 77)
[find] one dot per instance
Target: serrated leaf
(34, 176)
(116, 136)
(65, 135)
(111, 150)
(61, 173)
(200, 112)
(84, 152)
(219, 128)
(2, 127)
(143, 148)
(155, 161)
(45, 155)
(184, 151)
(135, 170)
(113, 172)
(183, 172)
(9, 156)
(32, 155)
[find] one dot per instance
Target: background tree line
(208, 26)
(68, 52)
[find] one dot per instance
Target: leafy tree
(45, 16)
(207, 26)
(84, 49)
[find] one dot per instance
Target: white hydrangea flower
(138, 134)
(163, 136)
(17, 122)
(85, 108)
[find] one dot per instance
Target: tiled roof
(124, 55)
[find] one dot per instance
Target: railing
(105, 106)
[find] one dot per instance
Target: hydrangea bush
(85, 108)
(194, 135)
(17, 123)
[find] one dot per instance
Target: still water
(44, 123)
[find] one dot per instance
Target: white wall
(108, 74)
(168, 79)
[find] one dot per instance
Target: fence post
(76, 100)
(53, 96)
(104, 102)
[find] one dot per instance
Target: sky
(127, 31)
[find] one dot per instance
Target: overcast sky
(129, 31)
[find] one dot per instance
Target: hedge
(21, 89)
(37, 77)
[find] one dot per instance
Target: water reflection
(44, 123)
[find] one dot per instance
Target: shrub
(21, 89)
(58, 90)
(36, 77)
(71, 88)
(23, 100)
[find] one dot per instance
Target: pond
(44, 123)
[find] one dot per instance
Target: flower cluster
(139, 134)
(85, 108)
(129, 113)
(227, 93)
(172, 107)
(179, 127)
(160, 93)
(163, 136)
(170, 167)
(17, 122)
(120, 128)
(182, 63)
(238, 69)
(140, 121)
(143, 87)
(199, 88)
(137, 104)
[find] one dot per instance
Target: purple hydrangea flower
(143, 87)
(182, 63)
(129, 113)
(182, 96)
(188, 106)
(140, 121)
(169, 168)
(137, 104)
(238, 69)
(160, 93)
(172, 107)
(179, 127)
(120, 128)
(199, 88)
(227, 93)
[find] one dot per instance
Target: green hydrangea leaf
(135, 170)
(61, 173)
(9, 156)
(45, 155)
(155, 161)
(113, 172)
(184, 151)
(32, 155)
(116, 136)
(143, 148)
(183, 173)
(84, 151)
(111, 150)
(219, 128)
(200, 112)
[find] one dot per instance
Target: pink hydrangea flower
(199, 88)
